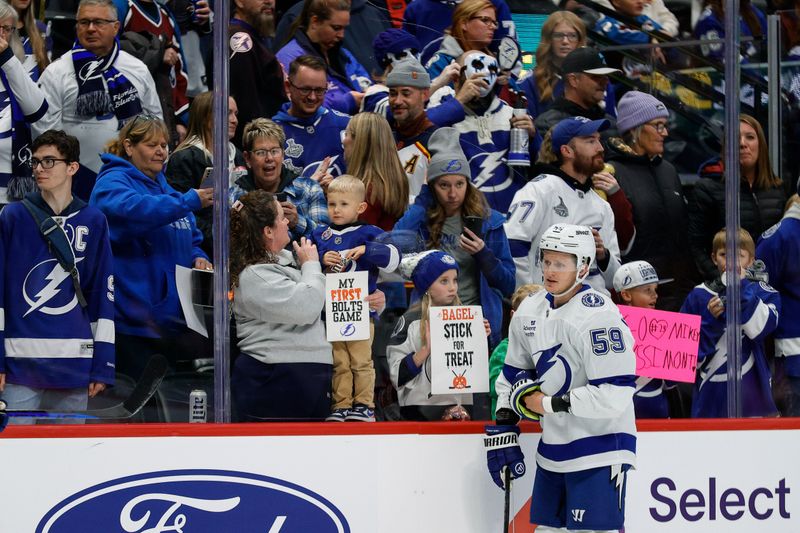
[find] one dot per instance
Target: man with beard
(486, 129)
(585, 76)
(562, 193)
(256, 76)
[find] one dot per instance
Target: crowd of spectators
(357, 145)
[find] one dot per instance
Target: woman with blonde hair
(32, 35)
(455, 217)
(187, 164)
(152, 231)
(371, 156)
(474, 23)
(761, 198)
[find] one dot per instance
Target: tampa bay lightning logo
(48, 288)
(347, 330)
(90, 70)
(552, 369)
(592, 300)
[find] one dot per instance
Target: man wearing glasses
(96, 87)
(313, 131)
(256, 76)
(585, 75)
(58, 348)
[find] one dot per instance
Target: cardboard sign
(346, 311)
(666, 344)
(459, 350)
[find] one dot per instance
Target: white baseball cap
(635, 274)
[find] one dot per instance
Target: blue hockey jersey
(779, 248)
(710, 27)
(378, 256)
(49, 340)
(310, 140)
(624, 34)
(760, 308)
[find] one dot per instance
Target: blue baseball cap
(572, 127)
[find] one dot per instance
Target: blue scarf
(102, 89)
(21, 181)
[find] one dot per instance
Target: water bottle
(518, 155)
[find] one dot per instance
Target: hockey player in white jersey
(562, 194)
(570, 364)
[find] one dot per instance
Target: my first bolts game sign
(459, 350)
(346, 309)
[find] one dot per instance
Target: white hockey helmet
(570, 239)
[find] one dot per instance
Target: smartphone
(281, 196)
(207, 181)
(475, 225)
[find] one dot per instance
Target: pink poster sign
(666, 343)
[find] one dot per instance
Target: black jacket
(653, 188)
(563, 108)
(759, 209)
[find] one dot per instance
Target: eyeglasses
(47, 163)
(273, 153)
(660, 127)
(490, 22)
(98, 23)
(569, 36)
(7, 29)
(305, 91)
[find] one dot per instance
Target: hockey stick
(144, 390)
(507, 509)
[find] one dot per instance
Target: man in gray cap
(409, 90)
(585, 74)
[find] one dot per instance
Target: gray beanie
(447, 157)
(408, 73)
(636, 108)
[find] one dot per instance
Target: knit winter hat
(447, 157)
(392, 45)
(636, 108)
(409, 73)
(425, 267)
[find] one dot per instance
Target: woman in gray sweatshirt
(284, 370)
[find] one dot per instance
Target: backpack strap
(58, 243)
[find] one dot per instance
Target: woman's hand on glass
(471, 243)
(305, 251)
(377, 301)
(206, 196)
(201, 263)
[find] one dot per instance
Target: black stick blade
(147, 385)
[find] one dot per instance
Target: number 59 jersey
(583, 348)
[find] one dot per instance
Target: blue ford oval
(195, 501)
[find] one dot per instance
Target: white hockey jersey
(552, 199)
(585, 348)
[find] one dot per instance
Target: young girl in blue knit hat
(435, 277)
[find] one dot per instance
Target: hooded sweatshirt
(152, 230)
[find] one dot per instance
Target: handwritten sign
(346, 311)
(666, 343)
(459, 350)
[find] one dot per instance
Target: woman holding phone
(456, 218)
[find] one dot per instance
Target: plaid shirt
(304, 193)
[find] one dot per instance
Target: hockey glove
(520, 389)
(502, 452)
(3, 415)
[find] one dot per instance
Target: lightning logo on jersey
(545, 362)
(46, 289)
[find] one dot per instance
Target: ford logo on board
(195, 501)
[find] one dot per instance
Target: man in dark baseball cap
(585, 75)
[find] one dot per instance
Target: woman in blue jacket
(319, 31)
(444, 218)
(152, 231)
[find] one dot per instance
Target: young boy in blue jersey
(570, 365)
(637, 284)
(57, 346)
(760, 308)
(348, 245)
